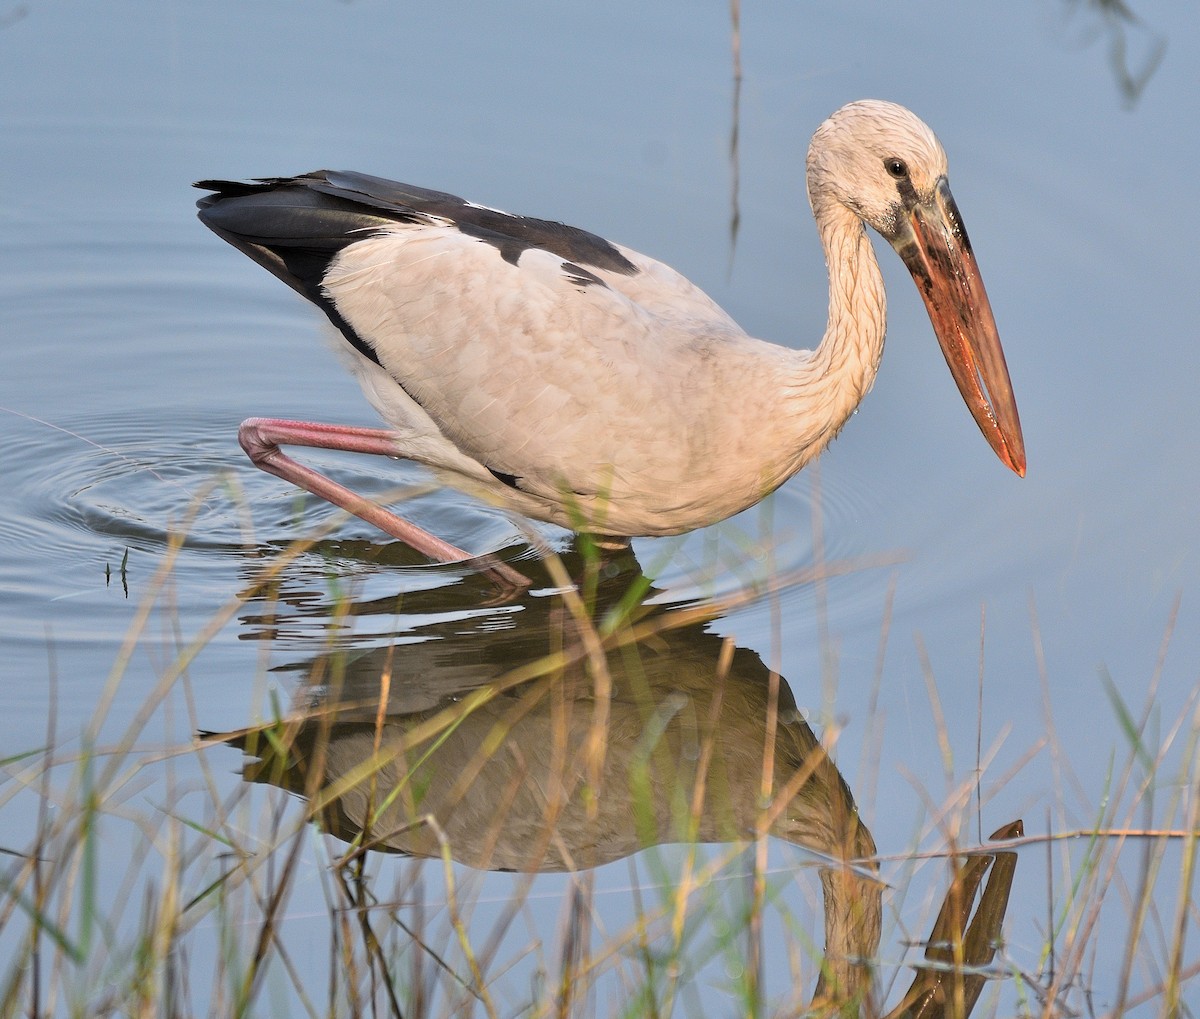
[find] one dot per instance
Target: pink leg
(262, 437)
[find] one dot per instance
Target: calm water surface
(134, 342)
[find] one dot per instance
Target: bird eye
(898, 168)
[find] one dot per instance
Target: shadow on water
(1135, 48)
(595, 729)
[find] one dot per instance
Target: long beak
(932, 240)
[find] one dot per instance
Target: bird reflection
(558, 745)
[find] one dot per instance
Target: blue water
(134, 342)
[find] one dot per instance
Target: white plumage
(576, 381)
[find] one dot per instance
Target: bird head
(882, 163)
(863, 154)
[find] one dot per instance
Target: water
(134, 342)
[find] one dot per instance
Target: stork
(542, 368)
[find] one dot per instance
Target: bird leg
(262, 437)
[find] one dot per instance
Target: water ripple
(807, 531)
(92, 487)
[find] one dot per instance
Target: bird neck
(834, 378)
(853, 925)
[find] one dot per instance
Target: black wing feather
(511, 234)
(295, 226)
(328, 209)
